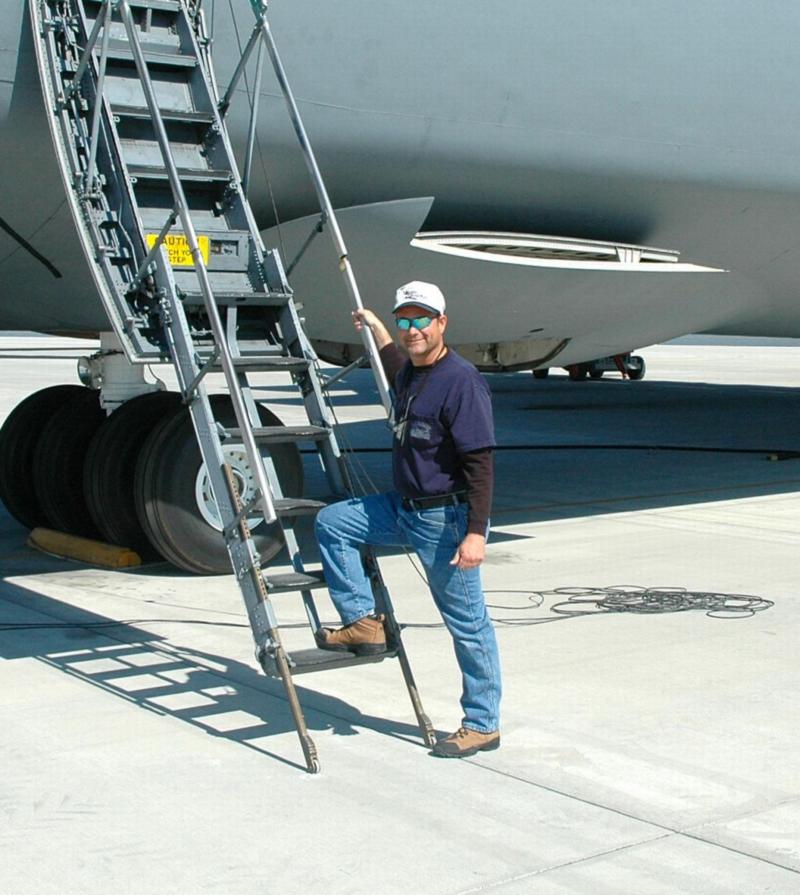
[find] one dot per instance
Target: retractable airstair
(139, 129)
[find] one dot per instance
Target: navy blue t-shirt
(441, 411)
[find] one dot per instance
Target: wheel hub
(244, 482)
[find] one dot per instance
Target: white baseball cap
(423, 295)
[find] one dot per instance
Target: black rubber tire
(18, 438)
(596, 374)
(638, 371)
(543, 373)
(166, 504)
(58, 463)
(108, 472)
(577, 372)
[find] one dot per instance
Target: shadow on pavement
(217, 694)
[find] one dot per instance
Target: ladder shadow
(223, 697)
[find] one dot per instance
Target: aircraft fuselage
(666, 125)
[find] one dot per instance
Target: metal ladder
(139, 130)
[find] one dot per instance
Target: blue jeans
(434, 534)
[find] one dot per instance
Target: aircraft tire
(110, 465)
(167, 483)
(596, 374)
(638, 371)
(543, 373)
(58, 463)
(18, 438)
(577, 372)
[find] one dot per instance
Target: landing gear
(133, 478)
(630, 366)
(58, 463)
(174, 501)
(637, 367)
(19, 436)
(110, 464)
(578, 372)
(541, 373)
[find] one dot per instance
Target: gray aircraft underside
(650, 123)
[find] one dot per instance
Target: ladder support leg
(383, 603)
(324, 199)
(424, 722)
(306, 743)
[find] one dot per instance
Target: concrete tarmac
(643, 752)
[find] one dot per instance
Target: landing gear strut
(119, 462)
(631, 366)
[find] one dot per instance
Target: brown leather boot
(465, 742)
(365, 637)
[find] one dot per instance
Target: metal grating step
(249, 299)
(308, 660)
(158, 60)
(282, 434)
(157, 5)
(296, 506)
(182, 116)
(187, 175)
(267, 364)
(294, 581)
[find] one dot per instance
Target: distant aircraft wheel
(637, 368)
(108, 471)
(58, 462)
(173, 497)
(18, 438)
(542, 373)
(596, 374)
(577, 372)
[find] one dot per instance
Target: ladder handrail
(225, 102)
(97, 113)
(85, 59)
(150, 258)
(251, 132)
(346, 268)
(181, 205)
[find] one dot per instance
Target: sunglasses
(405, 323)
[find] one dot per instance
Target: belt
(430, 503)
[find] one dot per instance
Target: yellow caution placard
(178, 248)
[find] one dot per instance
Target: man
(442, 466)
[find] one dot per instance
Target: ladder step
(308, 660)
(297, 506)
(183, 116)
(266, 364)
(294, 581)
(240, 299)
(282, 434)
(158, 5)
(194, 175)
(161, 60)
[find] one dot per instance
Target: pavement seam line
(652, 823)
(531, 873)
(736, 816)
